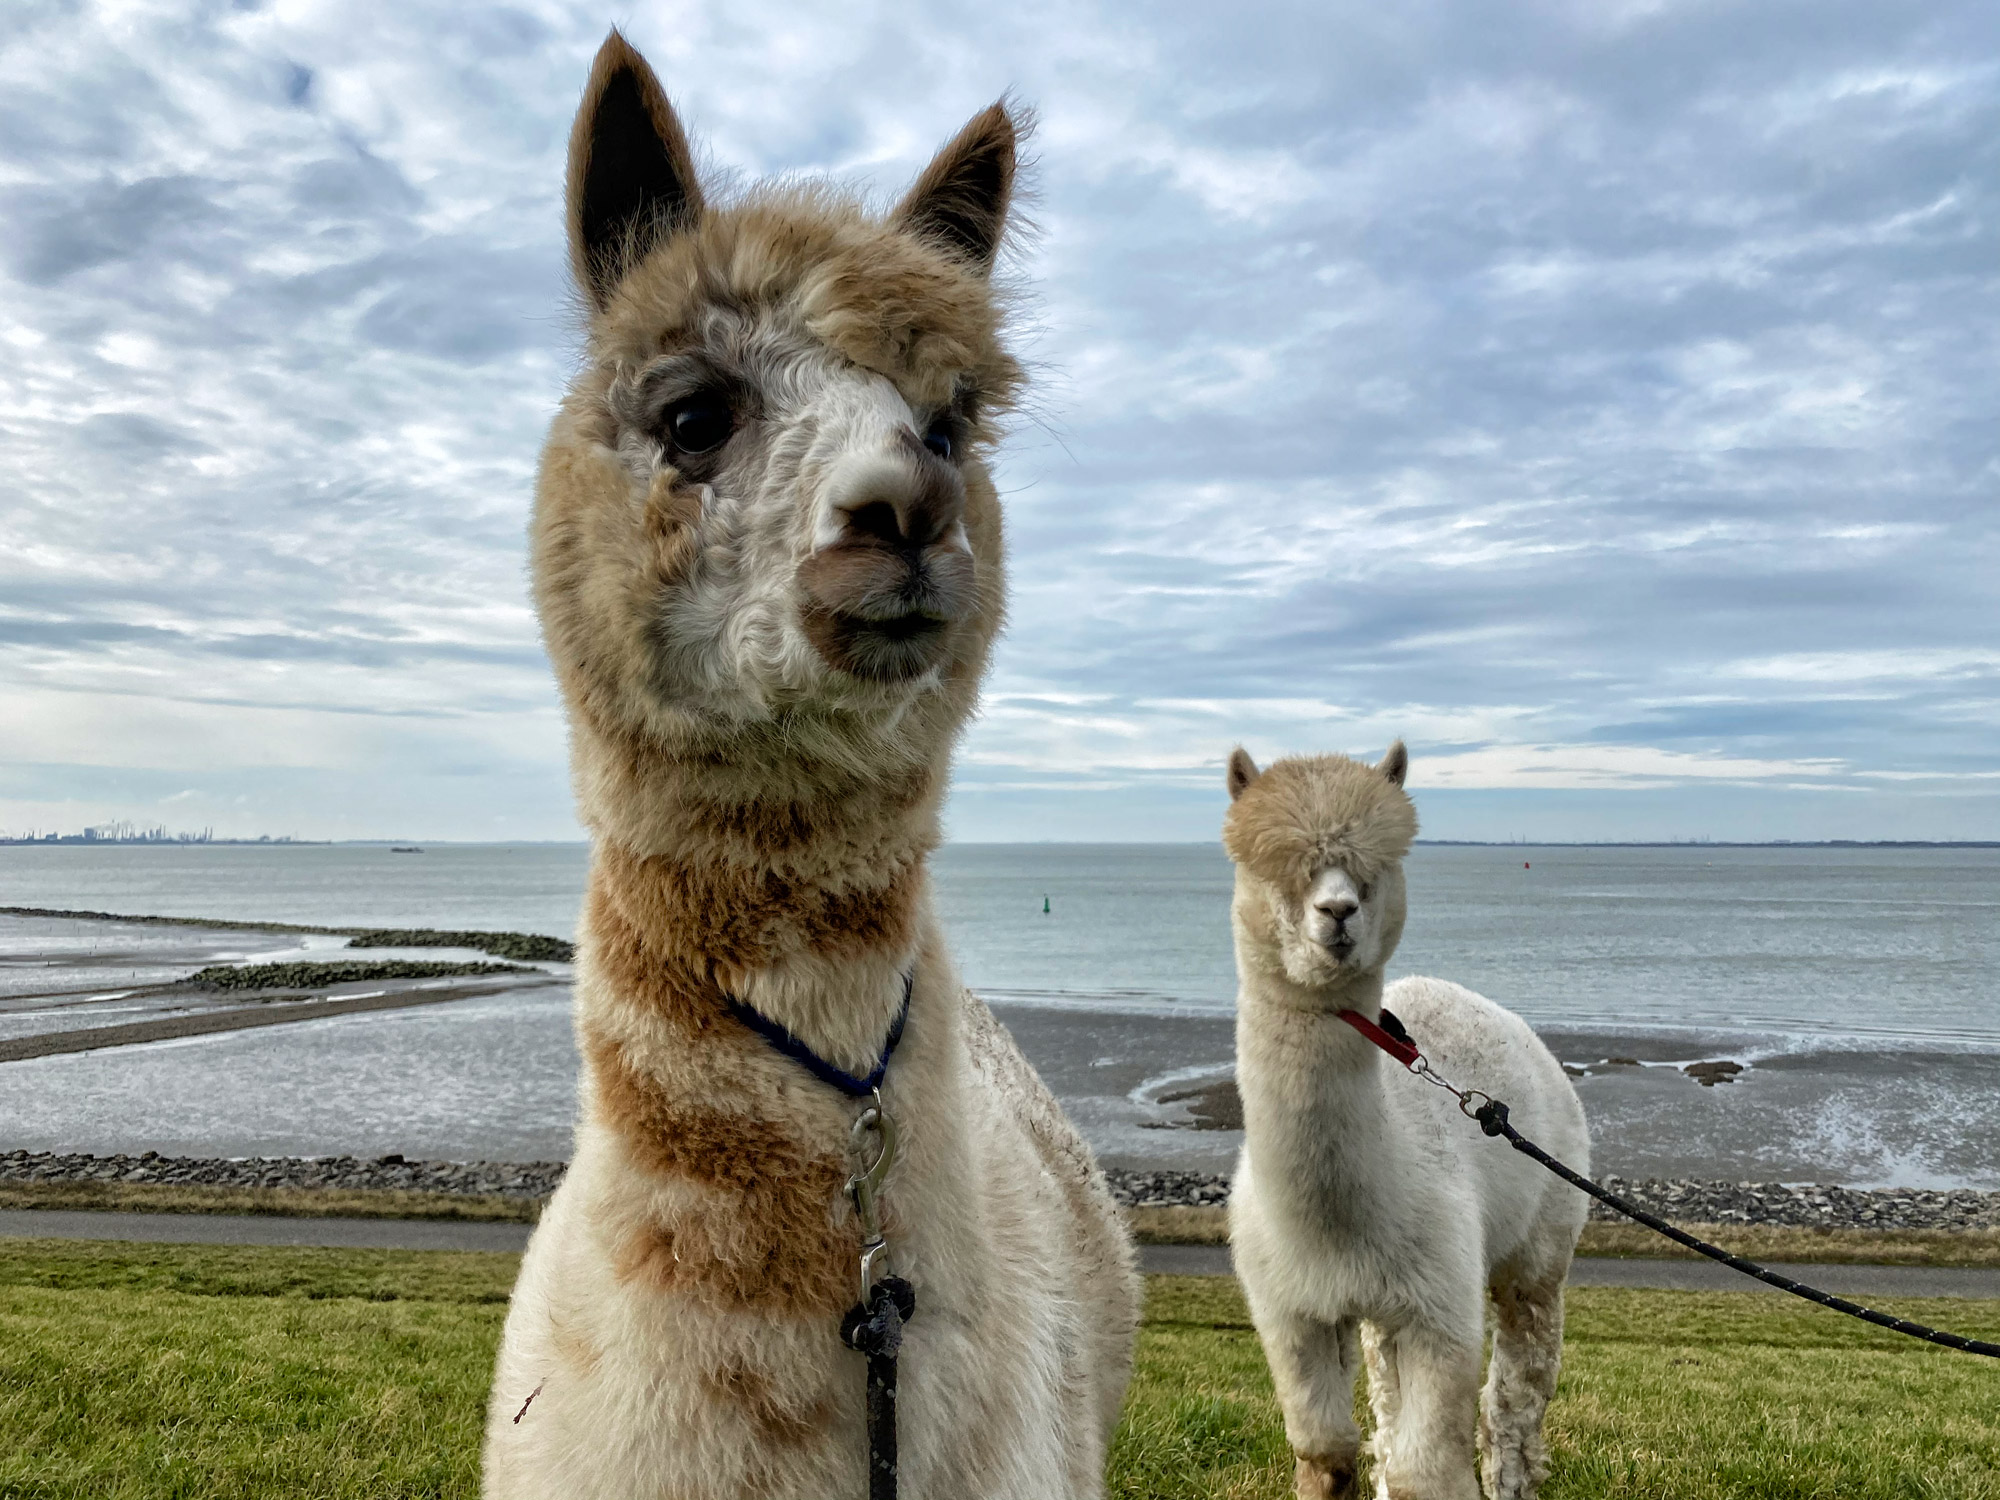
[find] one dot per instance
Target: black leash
(875, 1328)
(1492, 1118)
(874, 1325)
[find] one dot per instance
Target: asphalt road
(1179, 1260)
(262, 1229)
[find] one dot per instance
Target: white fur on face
(857, 458)
(1344, 926)
(823, 440)
(769, 517)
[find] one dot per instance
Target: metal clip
(863, 1186)
(1423, 1069)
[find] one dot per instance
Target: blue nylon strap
(783, 1041)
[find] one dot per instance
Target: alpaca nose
(1340, 909)
(908, 503)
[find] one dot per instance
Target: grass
(132, 1371)
(1665, 1396)
(1767, 1242)
(197, 1370)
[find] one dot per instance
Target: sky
(1600, 396)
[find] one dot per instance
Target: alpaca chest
(649, 1388)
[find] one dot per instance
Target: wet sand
(491, 1075)
(1864, 1111)
(276, 1012)
(79, 982)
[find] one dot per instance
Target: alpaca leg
(1313, 1364)
(1385, 1391)
(1527, 1354)
(1427, 1453)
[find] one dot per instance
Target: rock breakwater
(1811, 1206)
(507, 1178)
(1822, 1206)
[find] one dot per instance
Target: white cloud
(1869, 666)
(1571, 767)
(1453, 372)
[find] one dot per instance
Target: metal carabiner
(1423, 1069)
(865, 1184)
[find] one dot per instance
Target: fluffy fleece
(1370, 1220)
(767, 557)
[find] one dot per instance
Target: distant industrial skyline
(122, 831)
(1602, 398)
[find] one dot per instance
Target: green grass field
(141, 1370)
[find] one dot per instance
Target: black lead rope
(874, 1325)
(1392, 1037)
(875, 1328)
(1492, 1118)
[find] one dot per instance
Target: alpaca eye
(1363, 892)
(701, 423)
(939, 438)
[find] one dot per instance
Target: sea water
(1896, 942)
(1858, 985)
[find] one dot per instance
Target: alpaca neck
(1316, 1113)
(803, 894)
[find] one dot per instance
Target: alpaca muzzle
(880, 597)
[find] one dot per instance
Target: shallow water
(1858, 984)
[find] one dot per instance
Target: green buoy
(1045, 906)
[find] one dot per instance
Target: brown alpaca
(767, 556)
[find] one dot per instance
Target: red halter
(1399, 1047)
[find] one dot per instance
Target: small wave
(1111, 1002)
(1148, 1093)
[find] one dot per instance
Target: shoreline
(278, 1011)
(535, 946)
(418, 846)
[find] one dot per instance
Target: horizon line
(416, 846)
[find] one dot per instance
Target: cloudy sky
(1601, 395)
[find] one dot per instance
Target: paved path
(1175, 1260)
(1842, 1281)
(1681, 1275)
(261, 1229)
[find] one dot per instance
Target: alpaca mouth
(893, 649)
(908, 627)
(883, 614)
(1341, 947)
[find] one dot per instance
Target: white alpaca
(1367, 1210)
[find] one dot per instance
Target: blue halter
(783, 1041)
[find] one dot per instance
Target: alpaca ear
(960, 201)
(1396, 764)
(1242, 771)
(631, 175)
